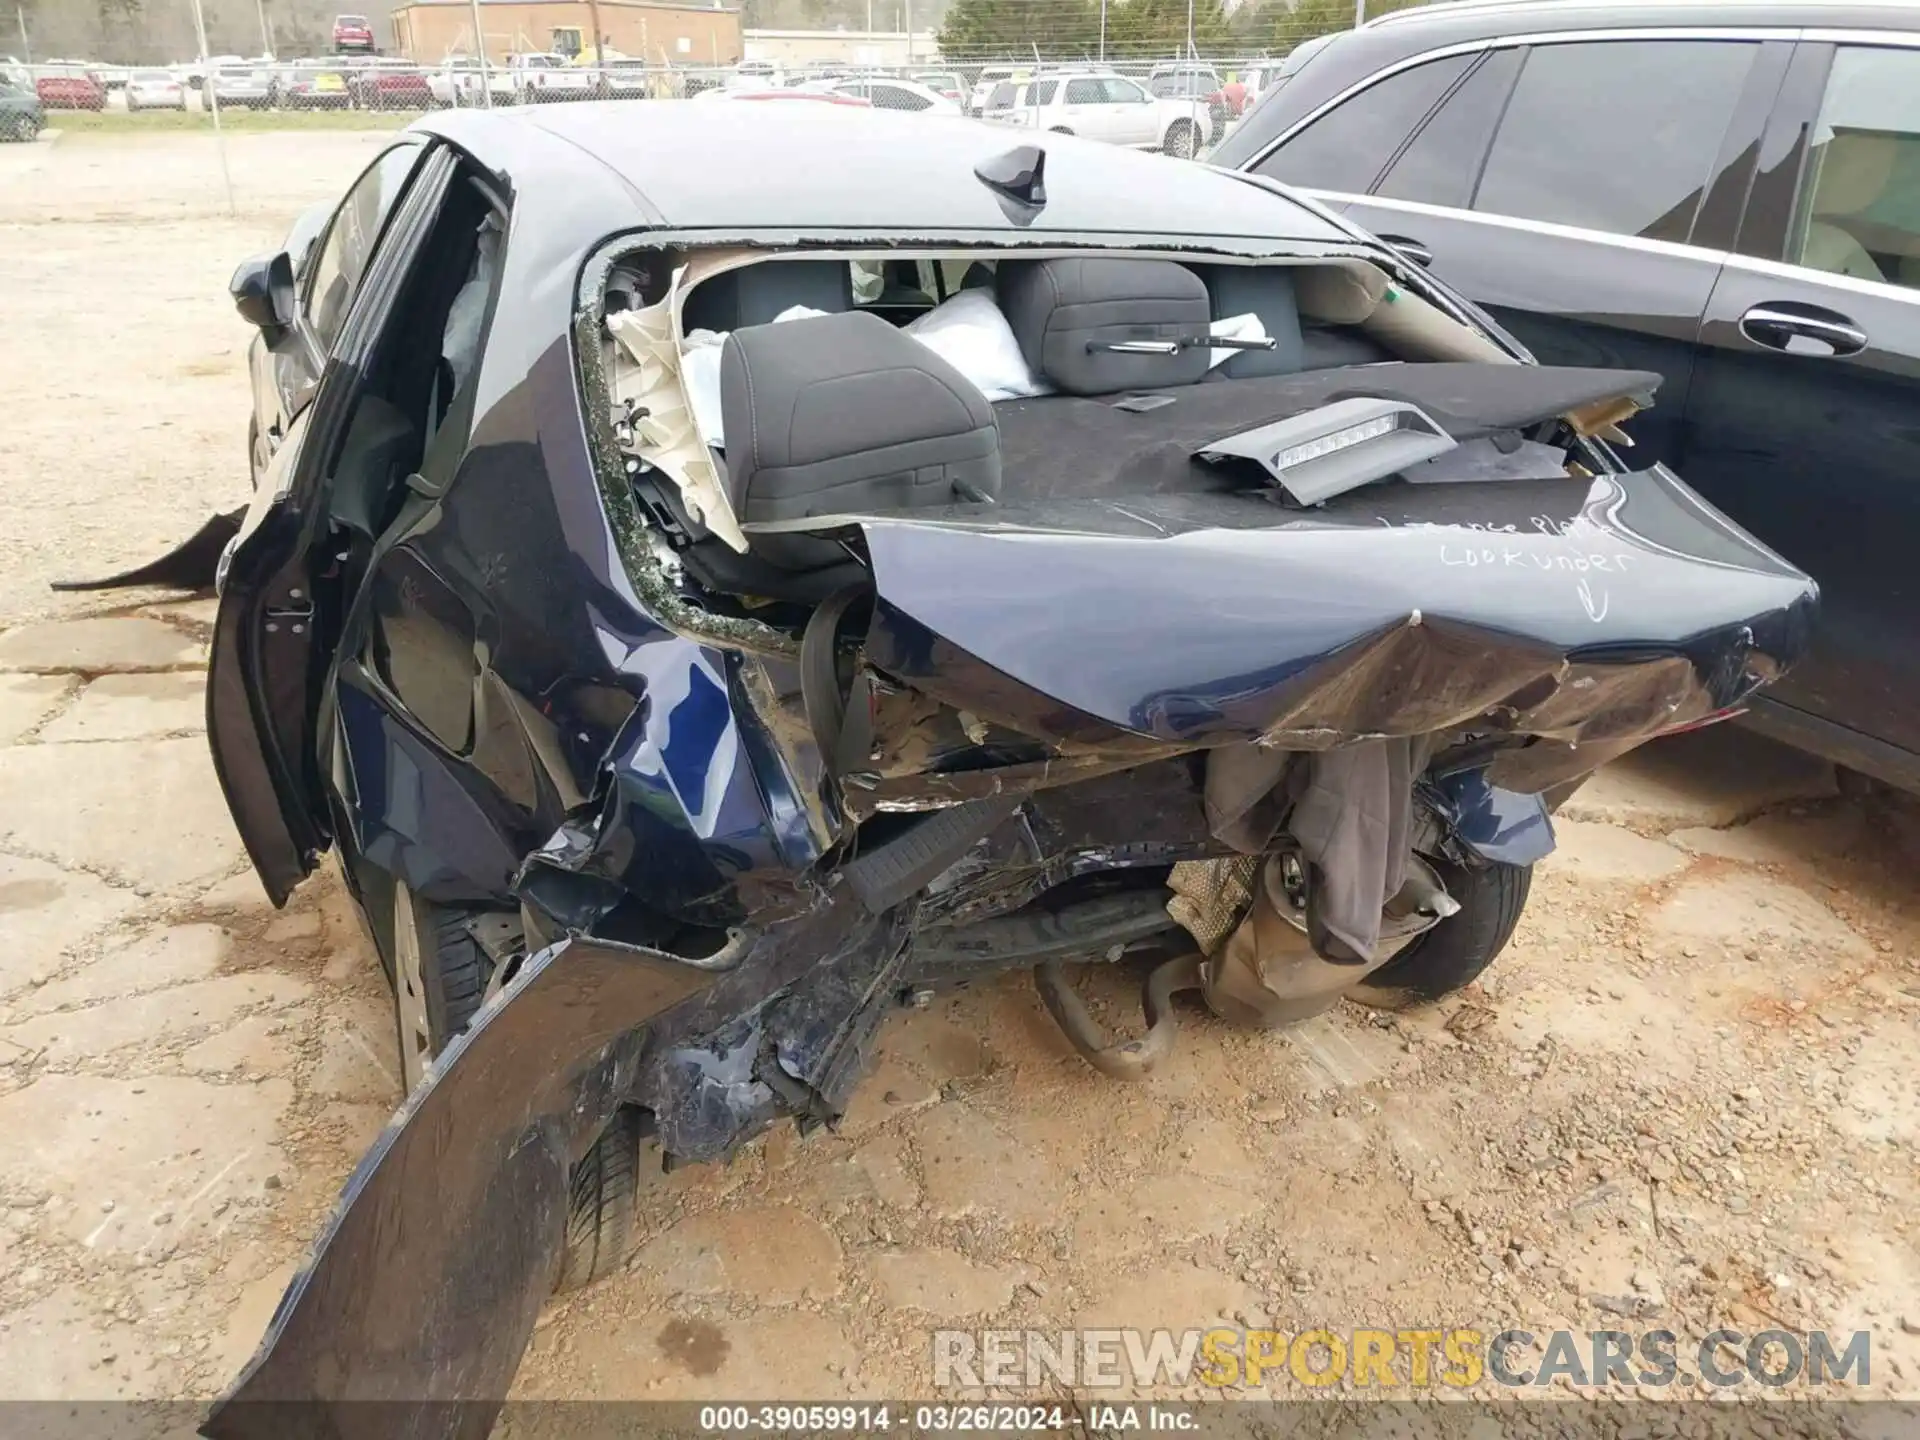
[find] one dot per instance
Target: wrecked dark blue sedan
(705, 602)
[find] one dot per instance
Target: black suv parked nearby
(1728, 194)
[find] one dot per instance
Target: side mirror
(262, 290)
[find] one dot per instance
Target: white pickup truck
(539, 78)
(457, 84)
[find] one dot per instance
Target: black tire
(1453, 953)
(1059, 130)
(255, 454)
(454, 970)
(605, 1188)
(1182, 140)
(437, 986)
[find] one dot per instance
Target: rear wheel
(1453, 953)
(602, 1199)
(258, 453)
(439, 978)
(1180, 139)
(440, 974)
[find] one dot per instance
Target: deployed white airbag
(971, 334)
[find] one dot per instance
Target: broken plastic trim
(1337, 447)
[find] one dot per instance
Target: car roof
(829, 168)
(1350, 57)
(1630, 14)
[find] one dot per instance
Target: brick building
(431, 30)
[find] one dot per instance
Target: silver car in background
(238, 86)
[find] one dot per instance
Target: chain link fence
(240, 132)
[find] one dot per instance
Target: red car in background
(79, 91)
(390, 86)
(353, 32)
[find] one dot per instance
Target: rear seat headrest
(754, 294)
(1070, 314)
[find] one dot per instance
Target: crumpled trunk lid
(1585, 616)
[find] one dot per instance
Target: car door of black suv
(1802, 419)
(1584, 190)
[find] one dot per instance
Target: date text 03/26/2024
(988, 1419)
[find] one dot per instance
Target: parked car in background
(827, 97)
(313, 87)
(21, 114)
(542, 77)
(988, 81)
(389, 85)
(758, 75)
(947, 84)
(903, 95)
(69, 90)
(459, 82)
(155, 90)
(352, 34)
(629, 79)
(239, 86)
(1725, 193)
(1192, 82)
(1102, 106)
(193, 73)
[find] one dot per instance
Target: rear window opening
(962, 383)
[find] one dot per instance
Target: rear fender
(411, 1317)
(423, 1289)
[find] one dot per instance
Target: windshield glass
(154, 77)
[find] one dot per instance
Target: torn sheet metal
(1576, 613)
(458, 1211)
(411, 1317)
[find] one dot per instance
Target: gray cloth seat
(755, 294)
(1068, 313)
(840, 413)
(1266, 291)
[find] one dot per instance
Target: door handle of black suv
(1411, 248)
(1802, 329)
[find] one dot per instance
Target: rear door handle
(1411, 248)
(1802, 329)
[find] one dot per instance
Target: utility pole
(593, 18)
(26, 45)
(480, 49)
(1190, 50)
(266, 32)
(1103, 32)
(212, 101)
(906, 24)
(1359, 13)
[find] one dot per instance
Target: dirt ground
(1685, 1096)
